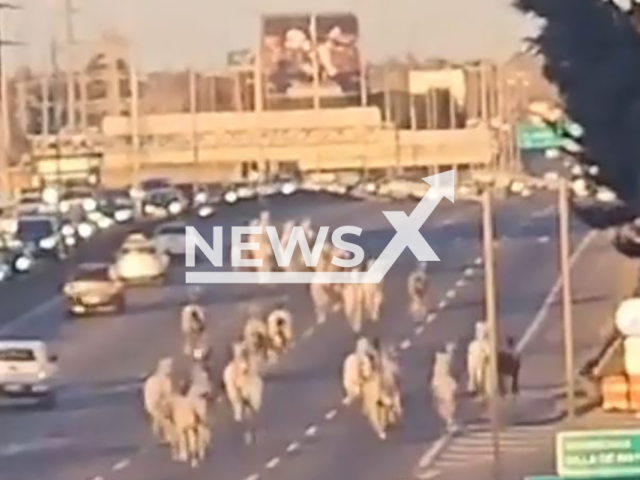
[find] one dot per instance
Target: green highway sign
(555, 477)
(539, 137)
(598, 454)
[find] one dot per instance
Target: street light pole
(492, 322)
(567, 307)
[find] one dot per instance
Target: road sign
(598, 454)
(555, 477)
(539, 137)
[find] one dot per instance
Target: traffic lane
(22, 292)
(543, 359)
(73, 422)
(136, 354)
(102, 362)
(103, 338)
(348, 449)
(304, 387)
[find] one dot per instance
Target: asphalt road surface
(99, 430)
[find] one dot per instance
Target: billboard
(303, 54)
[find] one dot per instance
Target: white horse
(192, 326)
(444, 389)
(191, 435)
(356, 367)
(478, 353)
(418, 289)
(244, 387)
(381, 402)
(373, 297)
(280, 331)
(157, 391)
(323, 300)
(256, 338)
(353, 304)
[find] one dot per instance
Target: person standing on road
(509, 366)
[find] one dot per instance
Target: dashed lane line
(331, 414)
(121, 465)
(273, 463)
(293, 446)
(311, 431)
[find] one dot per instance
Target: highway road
(99, 431)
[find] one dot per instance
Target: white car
(138, 261)
(171, 238)
(27, 371)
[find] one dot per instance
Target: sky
(199, 33)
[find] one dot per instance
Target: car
(91, 289)
(117, 204)
(13, 258)
(164, 203)
(27, 371)
(148, 186)
(77, 200)
(40, 235)
(170, 238)
(138, 261)
(246, 190)
(208, 194)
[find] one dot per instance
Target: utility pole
(567, 307)
(492, 323)
(193, 112)
(135, 113)
(4, 107)
(69, 12)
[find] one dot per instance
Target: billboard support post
(314, 60)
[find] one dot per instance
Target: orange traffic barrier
(634, 393)
(615, 392)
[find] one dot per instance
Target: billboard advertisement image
(298, 50)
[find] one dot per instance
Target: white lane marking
(273, 463)
(469, 272)
(405, 345)
(431, 317)
(451, 294)
(98, 478)
(331, 414)
(308, 332)
(447, 222)
(429, 474)
(543, 239)
(419, 330)
(461, 283)
(539, 319)
(30, 315)
(121, 465)
(311, 431)
(478, 261)
(35, 446)
(293, 446)
(442, 305)
(255, 476)
(438, 446)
